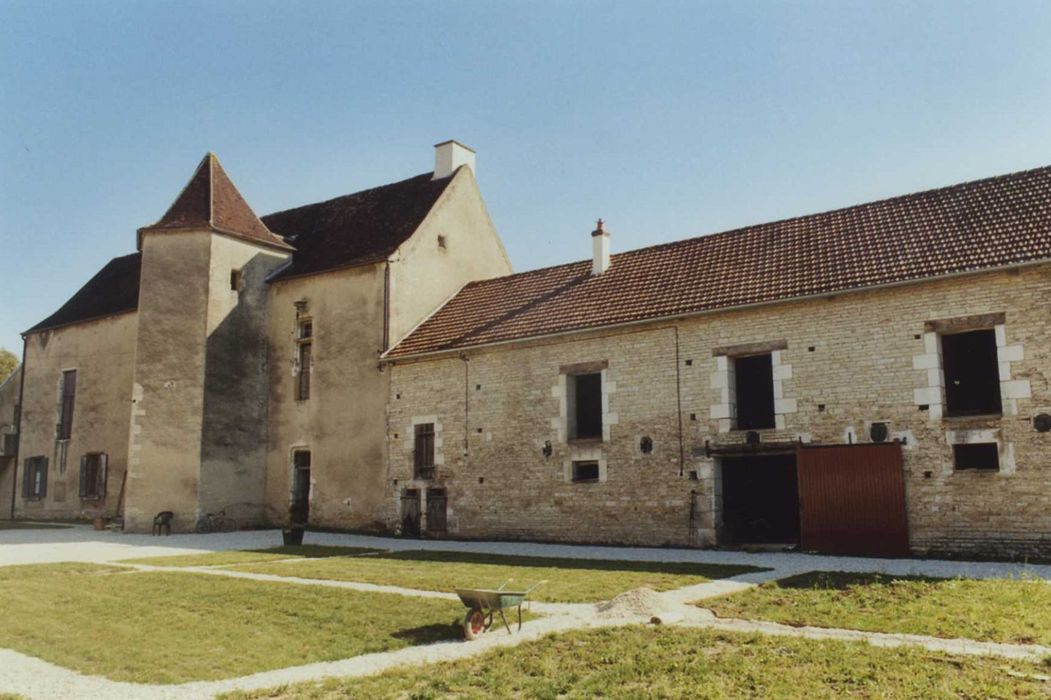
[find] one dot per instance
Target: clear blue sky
(669, 120)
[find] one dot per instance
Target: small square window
(585, 472)
(982, 456)
(235, 280)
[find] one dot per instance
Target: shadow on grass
(842, 580)
(428, 634)
(314, 551)
(713, 571)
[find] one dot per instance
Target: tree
(8, 362)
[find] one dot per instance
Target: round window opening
(646, 445)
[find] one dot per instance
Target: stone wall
(847, 361)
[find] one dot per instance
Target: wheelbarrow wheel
(473, 624)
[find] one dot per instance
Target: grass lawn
(23, 525)
(1014, 611)
(247, 556)
(170, 627)
(569, 580)
(670, 662)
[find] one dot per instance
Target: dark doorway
(410, 512)
(300, 511)
(436, 506)
(588, 401)
(972, 374)
(760, 500)
(754, 378)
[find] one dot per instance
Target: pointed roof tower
(210, 201)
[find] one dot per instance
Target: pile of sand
(639, 603)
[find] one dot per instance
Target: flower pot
(100, 523)
(292, 537)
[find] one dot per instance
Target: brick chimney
(599, 249)
(450, 155)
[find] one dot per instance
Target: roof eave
(57, 326)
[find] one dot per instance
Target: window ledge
(585, 441)
(977, 417)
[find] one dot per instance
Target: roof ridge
(992, 223)
(210, 200)
(777, 222)
(345, 196)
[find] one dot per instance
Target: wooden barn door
(852, 499)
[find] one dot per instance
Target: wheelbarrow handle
(504, 584)
(535, 585)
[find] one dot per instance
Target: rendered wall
(236, 383)
(342, 423)
(866, 365)
(168, 399)
(424, 272)
(200, 401)
(103, 353)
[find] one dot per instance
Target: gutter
(433, 354)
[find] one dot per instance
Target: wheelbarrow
(483, 602)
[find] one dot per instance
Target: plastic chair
(162, 522)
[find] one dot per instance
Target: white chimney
(450, 155)
(599, 249)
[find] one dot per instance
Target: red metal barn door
(852, 499)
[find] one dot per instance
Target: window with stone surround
(750, 379)
(34, 478)
(304, 358)
(423, 451)
(972, 373)
(584, 404)
(979, 456)
(67, 400)
(754, 391)
(93, 476)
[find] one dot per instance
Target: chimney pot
(599, 248)
(450, 155)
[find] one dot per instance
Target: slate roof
(355, 229)
(973, 226)
(113, 290)
(211, 201)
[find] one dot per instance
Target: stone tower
(198, 420)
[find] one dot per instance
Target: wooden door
(436, 508)
(852, 499)
(410, 512)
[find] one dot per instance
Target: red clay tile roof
(210, 201)
(973, 226)
(113, 290)
(355, 229)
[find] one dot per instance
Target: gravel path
(38, 679)
(81, 543)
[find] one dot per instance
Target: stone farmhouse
(875, 379)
